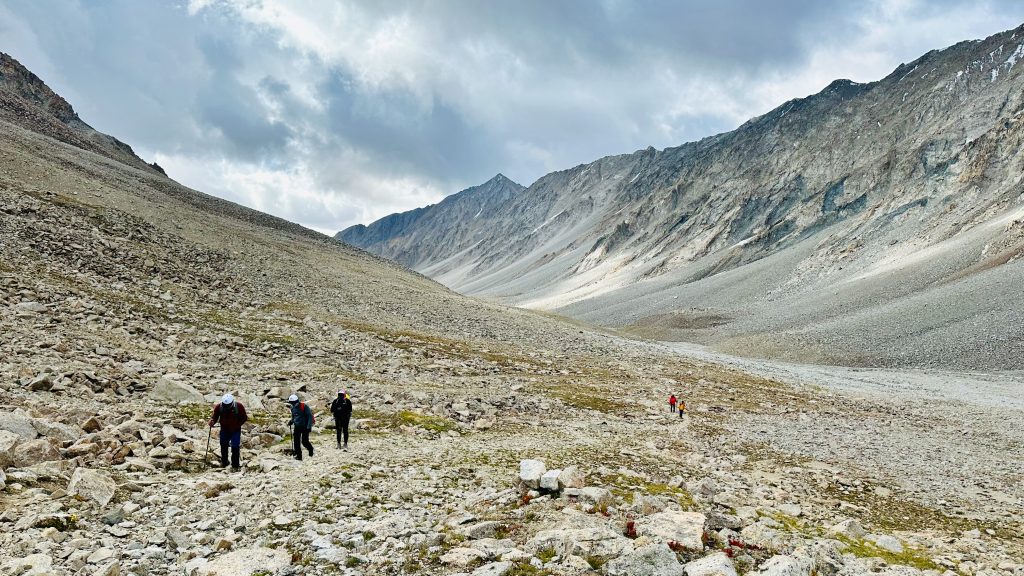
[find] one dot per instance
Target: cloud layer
(333, 112)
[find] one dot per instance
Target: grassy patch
(546, 555)
(394, 420)
(909, 556)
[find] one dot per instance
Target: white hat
(227, 399)
(342, 391)
(293, 398)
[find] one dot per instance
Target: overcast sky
(330, 112)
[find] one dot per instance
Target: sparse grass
(527, 569)
(546, 555)
(394, 420)
(909, 557)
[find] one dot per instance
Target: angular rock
(174, 392)
(686, 529)
(530, 472)
(35, 451)
(480, 530)
(493, 569)
(92, 485)
(245, 562)
(31, 565)
(717, 564)
(850, 528)
(783, 565)
(57, 431)
(887, 543)
(586, 536)
(549, 481)
(463, 557)
(597, 497)
(571, 477)
(651, 560)
(18, 424)
(8, 440)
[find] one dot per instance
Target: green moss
(546, 555)
(527, 569)
(909, 557)
(352, 562)
(369, 535)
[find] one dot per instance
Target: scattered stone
(35, 451)
(651, 560)
(571, 477)
(530, 472)
(171, 391)
(246, 562)
(686, 529)
(887, 543)
(850, 528)
(549, 481)
(717, 564)
(462, 557)
(92, 485)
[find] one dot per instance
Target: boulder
(684, 528)
(783, 565)
(8, 440)
(35, 451)
(463, 557)
(31, 565)
(173, 392)
(480, 530)
(597, 497)
(56, 430)
(717, 564)
(246, 561)
(650, 560)
(530, 472)
(19, 424)
(92, 485)
(583, 536)
(571, 477)
(549, 481)
(493, 569)
(887, 543)
(849, 528)
(3, 480)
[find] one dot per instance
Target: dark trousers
(341, 429)
(234, 440)
(671, 407)
(299, 439)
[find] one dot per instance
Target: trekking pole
(206, 457)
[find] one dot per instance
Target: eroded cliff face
(885, 190)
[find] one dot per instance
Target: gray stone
(245, 562)
(717, 564)
(571, 477)
(480, 530)
(463, 557)
(549, 481)
(651, 560)
(92, 485)
(887, 543)
(8, 440)
(783, 565)
(530, 472)
(174, 392)
(849, 528)
(19, 424)
(684, 528)
(493, 569)
(35, 451)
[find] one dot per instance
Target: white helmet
(293, 398)
(227, 399)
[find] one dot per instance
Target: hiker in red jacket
(672, 403)
(231, 415)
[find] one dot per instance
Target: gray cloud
(329, 113)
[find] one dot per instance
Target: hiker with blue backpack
(302, 424)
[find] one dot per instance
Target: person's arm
(215, 416)
(242, 414)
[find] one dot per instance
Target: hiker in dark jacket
(302, 425)
(231, 415)
(341, 408)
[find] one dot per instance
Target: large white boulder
(783, 565)
(246, 561)
(530, 472)
(35, 451)
(174, 392)
(684, 528)
(571, 477)
(583, 536)
(849, 528)
(549, 481)
(92, 485)
(651, 560)
(19, 424)
(717, 564)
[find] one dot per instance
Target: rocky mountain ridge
(856, 226)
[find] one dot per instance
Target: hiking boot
(339, 445)
(345, 447)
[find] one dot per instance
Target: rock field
(486, 440)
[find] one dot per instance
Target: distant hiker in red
(672, 403)
(231, 415)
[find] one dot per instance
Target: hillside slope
(868, 224)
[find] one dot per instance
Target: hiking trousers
(234, 440)
(341, 429)
(299, 439)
